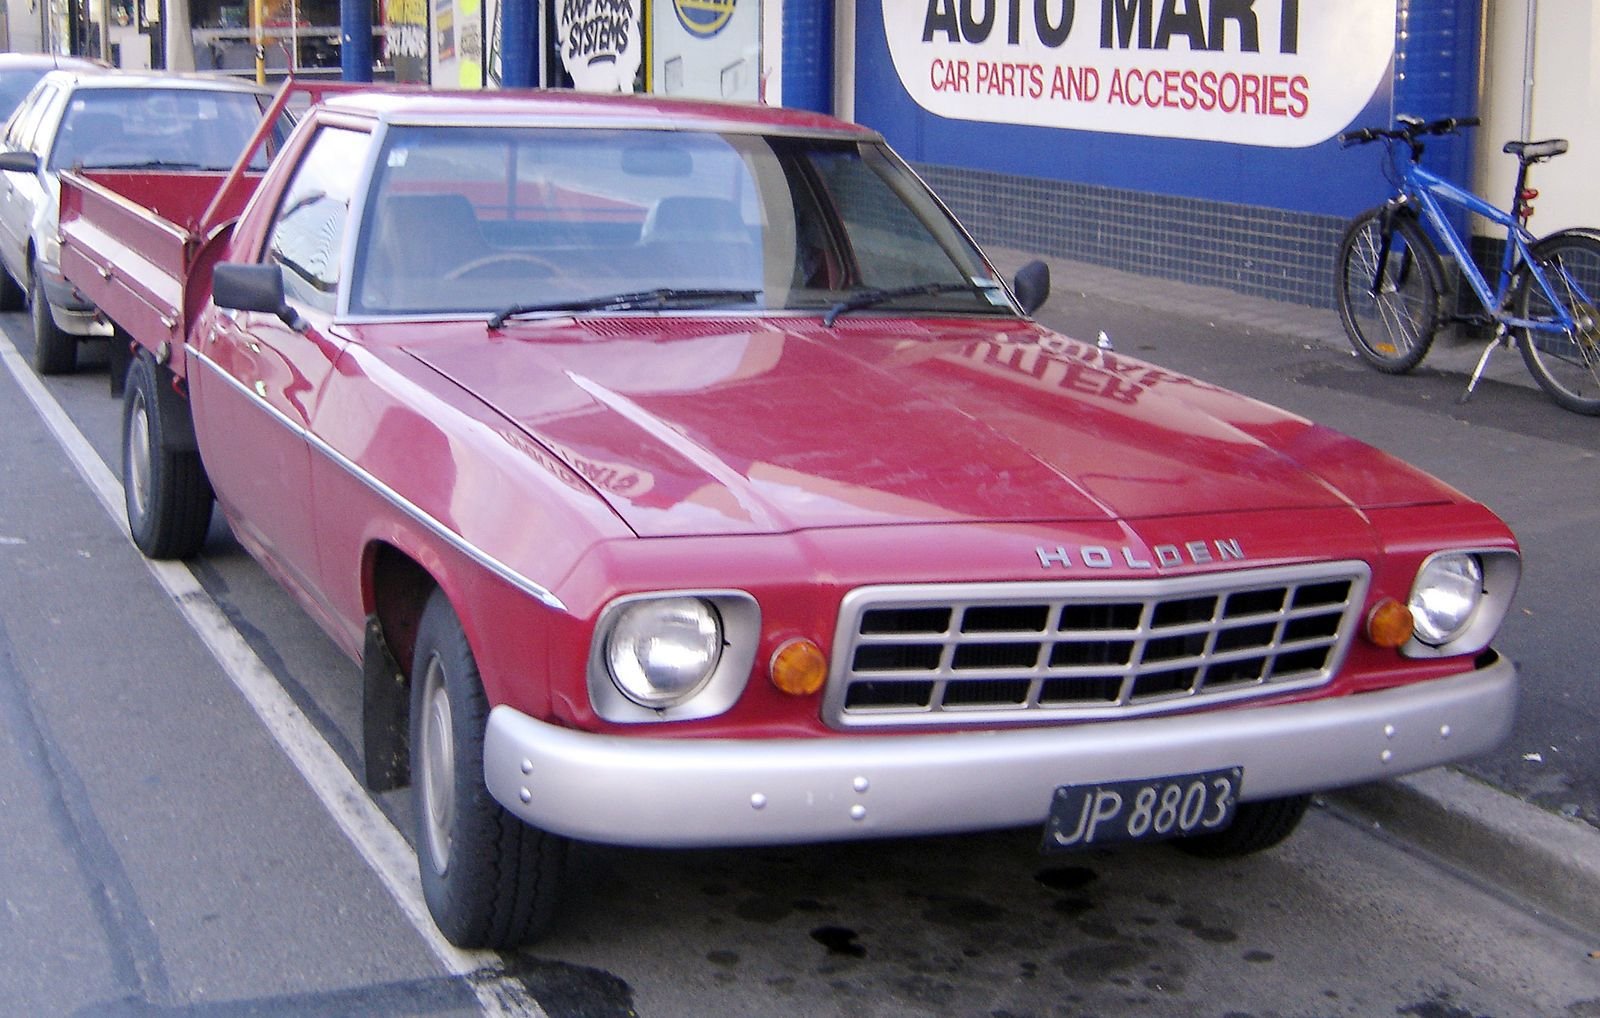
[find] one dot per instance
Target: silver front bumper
(638, 790)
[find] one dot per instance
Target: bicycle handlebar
(1409, 130)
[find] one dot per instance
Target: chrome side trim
(633, 790)
(388, 494)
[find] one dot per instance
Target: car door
(264, 377)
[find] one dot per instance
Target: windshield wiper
(868, 298)
(658, 298)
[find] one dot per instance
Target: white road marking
(380, 844)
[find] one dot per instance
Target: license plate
(1147, 810)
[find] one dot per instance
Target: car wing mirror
(19, 162)
(249, 287)
(1032, 286)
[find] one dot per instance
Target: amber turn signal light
(1390, 624)
(799, 668)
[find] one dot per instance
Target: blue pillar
(355, 40)
(519, 67)
(1436, 67)
(808, 55)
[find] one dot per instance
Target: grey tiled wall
(1262, 252)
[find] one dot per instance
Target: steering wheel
(508, 257)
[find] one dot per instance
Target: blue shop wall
(1263, 219)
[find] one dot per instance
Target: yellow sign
(703, 18)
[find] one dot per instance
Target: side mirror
(247, 287)
(1032, 286)
(19, 162)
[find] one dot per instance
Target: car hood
(714, 425)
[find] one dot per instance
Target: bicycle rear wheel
(1565, 364)
(1391, 325)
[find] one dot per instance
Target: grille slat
(960, 654)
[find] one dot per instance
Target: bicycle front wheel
(1390, 314)
(1566, 362)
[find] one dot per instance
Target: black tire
(12, 296)
(166, 491)
(1566, 365)
(1256, 826)
(490, 880)
(55, 352)
(1392, 328)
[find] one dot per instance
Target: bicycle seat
(1534, 151)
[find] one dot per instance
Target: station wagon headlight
(660, 652)
(1459, 599)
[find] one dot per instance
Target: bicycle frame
(1429, 192)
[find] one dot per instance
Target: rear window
(156, 128)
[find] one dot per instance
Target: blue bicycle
(1391, 277)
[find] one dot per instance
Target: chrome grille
(985, 653)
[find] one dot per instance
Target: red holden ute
(684, 475)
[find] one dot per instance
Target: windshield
(156, 128)
(509, 220)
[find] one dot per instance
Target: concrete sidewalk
(1549, 863)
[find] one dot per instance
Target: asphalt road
(183, 835)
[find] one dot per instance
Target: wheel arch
(400, 571)
(398, 588)
(171, 403)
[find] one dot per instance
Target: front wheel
(1256, 826)
(1565, 363)
(489, 879)
(55, 351)
(165, 488)
(1390, 314)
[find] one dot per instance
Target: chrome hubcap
(438, 767)
(138, 457)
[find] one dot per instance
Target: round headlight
(660, 652)
(1447, 593)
